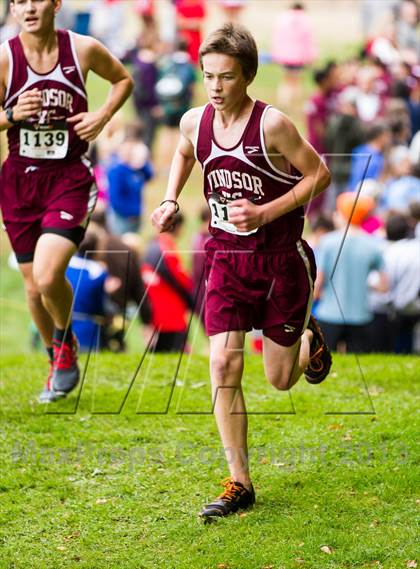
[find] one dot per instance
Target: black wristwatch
(9, 116)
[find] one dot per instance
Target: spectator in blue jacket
(368, 159)
(128, 172)
(88, 278)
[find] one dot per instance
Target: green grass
(80, 488)
(90, 487)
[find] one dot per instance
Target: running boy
(258, 173)
(47, 190)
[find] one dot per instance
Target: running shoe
(66, 371)
(48, 395)
(320, 359)
(235, 497)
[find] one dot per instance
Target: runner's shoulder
(189, 122)
(276, 120)
(4, 64)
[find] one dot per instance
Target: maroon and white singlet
(46, 183)
(262, 279)
(46, 137)
(245, 171)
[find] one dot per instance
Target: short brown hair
(236, 41)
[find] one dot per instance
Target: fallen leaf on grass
(347, 437)
(335, 427)
(222, 566)
(72, 536)
(243, 514)
(264, 460)
(326, 549)
(101, 501)
(61, 548)
(412, 563)
(198, 385)
(268, 567)
(375, 390)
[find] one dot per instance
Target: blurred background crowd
(360, 111)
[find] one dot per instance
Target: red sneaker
(66, 371)
(48, 395)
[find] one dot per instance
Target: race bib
(44, 142)
(219, 217)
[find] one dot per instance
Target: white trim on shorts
(305, 259)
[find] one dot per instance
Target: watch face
(9, 115)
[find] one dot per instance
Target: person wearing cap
(345, 257)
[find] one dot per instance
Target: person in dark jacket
(124, 263)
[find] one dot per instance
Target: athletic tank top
(46, 140)
(245, 171)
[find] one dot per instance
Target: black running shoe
(235, 497)
(66, 372)
(320, 359)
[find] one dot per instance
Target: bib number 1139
(51, 144)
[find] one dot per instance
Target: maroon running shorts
(267, 290)
(45, 200)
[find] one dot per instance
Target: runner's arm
(28, 104)
(282, 137)
(94, 56)
(182, 163)
(4, 71)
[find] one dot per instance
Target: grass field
(114, 477)
(88, 486)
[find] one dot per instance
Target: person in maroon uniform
(47, 189)
(258, 173)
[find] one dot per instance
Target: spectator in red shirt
(198, 262)
(190, 15)
(169, 289)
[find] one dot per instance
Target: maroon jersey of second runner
(245, 171)
(47, 139)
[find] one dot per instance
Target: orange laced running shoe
(320, 359)
(235, 497)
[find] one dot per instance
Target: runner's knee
(32, 293)
(224, 364)
(47, 282)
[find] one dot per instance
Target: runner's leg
(39, 313)
(226, 368)
(52, 256)
(284, 365)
